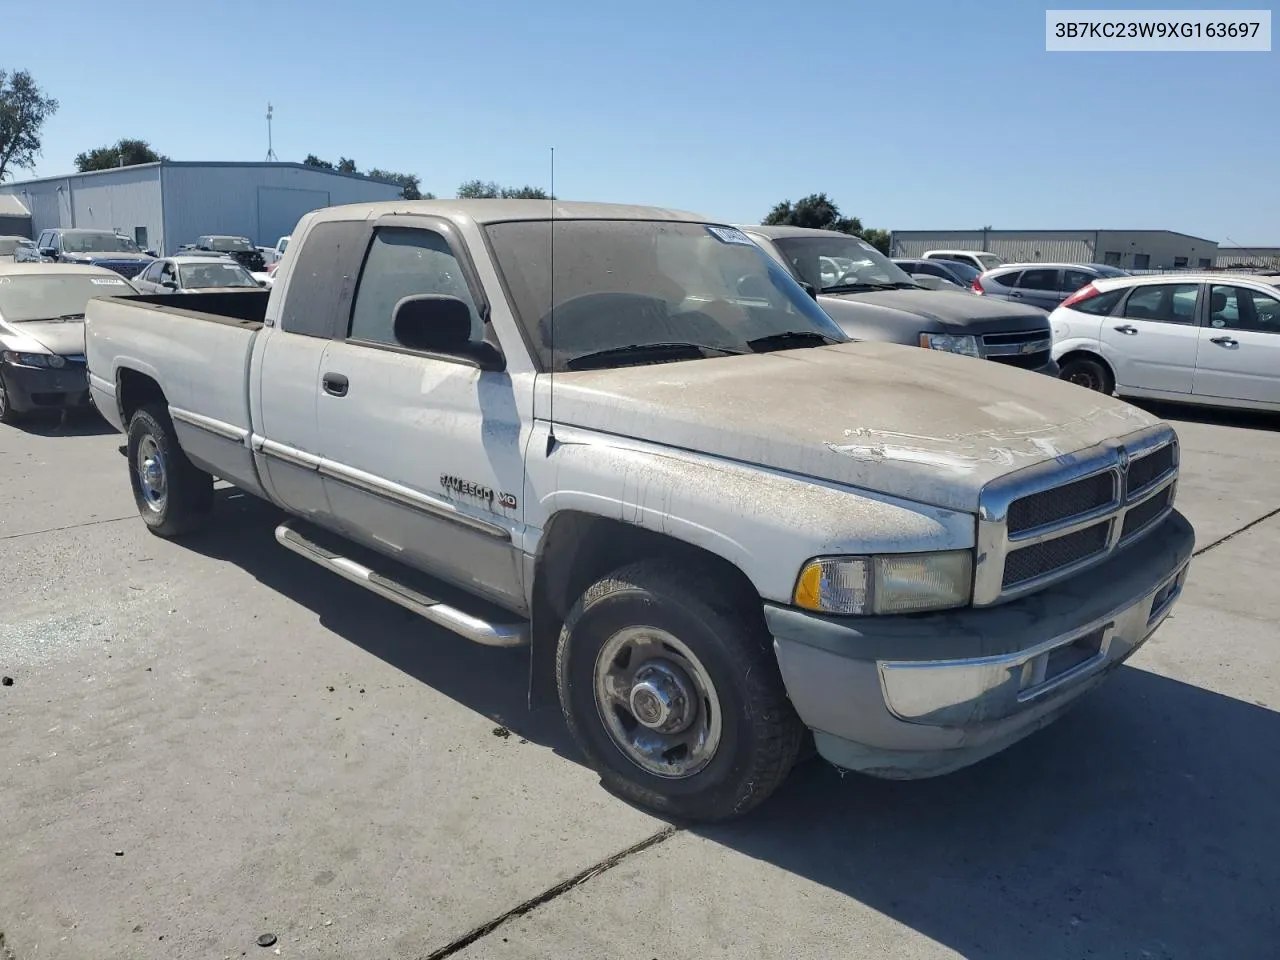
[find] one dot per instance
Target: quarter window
(1009, 279)
(1101, 305)
(404, 262)
(1039, 280)
(1163, 302)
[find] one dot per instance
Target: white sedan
(193, 273)
(1203, 338)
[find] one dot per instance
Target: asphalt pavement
(211, 742)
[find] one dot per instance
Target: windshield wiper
(849, 287)
(65, 318)
(655, 352)
(789, 339)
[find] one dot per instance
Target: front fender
(767, 523)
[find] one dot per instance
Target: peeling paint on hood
(912, 423)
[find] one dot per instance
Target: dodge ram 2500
(627, 438)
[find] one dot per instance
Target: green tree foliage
(23, 110)
(126, 152)
(410, 185)
(314, 161)
(488, 190)
(819, 212)
(347, 165)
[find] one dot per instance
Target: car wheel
(673, 693)
(8, 415)
(173, 496)
(1090, 374)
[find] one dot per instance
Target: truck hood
(65, 337)
(943, 311)
(918, 424)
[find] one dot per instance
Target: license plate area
(1164, 598)
(1055, 667)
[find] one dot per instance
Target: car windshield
(841, 262)
(215, 273)
(989, 260)
(621, 284)
(96, 241)
(42, 296)
(229, 243)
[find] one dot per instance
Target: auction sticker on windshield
(106, 282)
(730, 235)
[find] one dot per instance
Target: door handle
(1015, 295)
(1127, 329)
(1225, 341)
(335, 384)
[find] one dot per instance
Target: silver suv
(1043, 285)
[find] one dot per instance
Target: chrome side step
(464, 624)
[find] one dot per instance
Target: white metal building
(1232, 258)
(1129, 249)
(164, 205)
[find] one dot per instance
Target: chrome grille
(1047, 522)
(1050, 506)
(126, 268)
(1020, 348)
(1038, 559)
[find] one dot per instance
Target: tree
(314, 161)
(819, 212)
(23, 110)
(410, 185)
(347, 165)
(123, 153)
(488, 190)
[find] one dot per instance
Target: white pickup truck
(627, 438)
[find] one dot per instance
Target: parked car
(99, 248)
(1203, 338)
(240, 248)
(42, 307)
(719, 523)
(978, 259)
(873, 299)
(185, 274)
(1043, 285)
(953, 271)
(17, 250)
(272, 255)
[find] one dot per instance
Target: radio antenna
(551, 376)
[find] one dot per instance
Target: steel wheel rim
(4, 399)
(1083, 378)
(657, 702)
(152, 479)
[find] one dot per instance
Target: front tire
(8, 415)
(173, 496)
(673, 693)
(1088, 373)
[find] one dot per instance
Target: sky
(922, 115)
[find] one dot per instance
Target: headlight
(34, 359)
(895, 583)
(966, 344)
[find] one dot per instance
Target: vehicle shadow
(1215, 416)
(1142, 824)
(77, 424)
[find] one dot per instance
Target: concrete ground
(208, 742)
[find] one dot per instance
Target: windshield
(215, 273)
(96, 241)
(43, 296)
(990, 260)
(841, 261)
(965, 271)
(229, 243)
(621, 283)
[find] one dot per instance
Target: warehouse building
(1236, 258)
(15, 219)
(1128, 249)
(164, 205)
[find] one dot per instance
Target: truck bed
(196, 348)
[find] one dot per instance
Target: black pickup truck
(239, 248)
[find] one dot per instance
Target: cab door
(1151, 341)
(1238, 357)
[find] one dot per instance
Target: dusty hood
(65, 337)
(945, 310)
(918, 424)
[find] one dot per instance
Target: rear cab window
(325, 268)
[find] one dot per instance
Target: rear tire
(706, 663)
(173, 496)
(1088, 373)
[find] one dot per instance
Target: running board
(464, 624)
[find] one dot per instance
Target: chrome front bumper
(909, 697)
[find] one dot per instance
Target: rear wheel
(173, 496)
(1088, 373)
(673, 693)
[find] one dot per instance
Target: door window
(1163, 302)
(1039, 280)
(1239, 308)
(152, 273)
(167, 272)
(1101, 305)
(1073, 280)
(403, 262)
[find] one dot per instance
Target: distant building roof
(11, 206)
(201, 163)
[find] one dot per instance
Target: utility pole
(271, 153)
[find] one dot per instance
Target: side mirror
(48, 252)
(261, 283)
(810, 289)
(169, 284)
(439, 324)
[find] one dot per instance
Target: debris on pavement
(266, 940)
(119, 853)
(502, 732)
(7, 681)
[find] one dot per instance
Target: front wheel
(173, 496)
(8, 415)
(673, 693)
(1087, 373)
